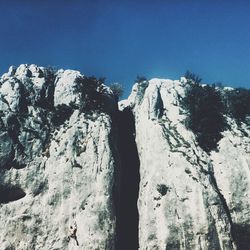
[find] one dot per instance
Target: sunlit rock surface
(53, 176)
(231, 167)
(187, 199)
(60, 165)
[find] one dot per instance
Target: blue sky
(122, 39)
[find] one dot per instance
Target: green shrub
(206, 120)
(61, 114)
(91, 90)
(13, 127)
(190, 76)
(45, 97)
(142, 86)
(162, 189)
(238, 104)
(141, 79)
(117, 90)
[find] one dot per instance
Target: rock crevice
(129, 178)
(133, 178)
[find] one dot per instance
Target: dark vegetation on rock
(45, 99)
(205, 117)
(13, 127)
(60, 114)
(207, 106)
(142, 86)
(91, 90)
(190, 76)
(117, 90)
(238, 103)
(162, 189)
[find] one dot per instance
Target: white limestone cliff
(62, 163)
(187, 199)
(53, 177)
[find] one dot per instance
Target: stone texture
(52, 176)
(231, 167)
(180, 204)
(60, 165)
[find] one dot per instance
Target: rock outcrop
(53, 175)
(231, 168)
(188, 199)
(133, 178)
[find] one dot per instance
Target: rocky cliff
(188, 198)
(57, 164)
(128, 179)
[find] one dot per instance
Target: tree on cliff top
(206, 108)
(117, 90)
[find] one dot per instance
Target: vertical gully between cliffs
(129, 179)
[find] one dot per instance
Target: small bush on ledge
(142, 86)
(61, 114)
(206, 114)
(162, 189)
(91, 90)
(117, 90)
(238, 104)
(192, 77)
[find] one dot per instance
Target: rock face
(53, 176)
(231, 168)
(129, 179)
(187, 199)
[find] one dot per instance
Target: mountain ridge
(64, 157)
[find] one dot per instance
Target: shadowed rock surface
(127, 212)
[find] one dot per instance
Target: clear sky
(121, 39)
